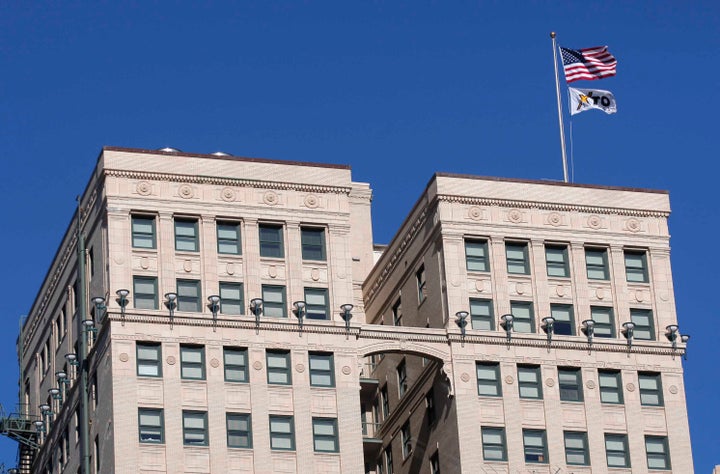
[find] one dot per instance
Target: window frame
(655, 392)
(566, 387)
(402, 378)
(315, 372)
(311, 309)
(487, 445)
(271, 248)
(604, 389)
(306, 248)
(145, 428)
(227, 302)
(610, 311)
(186, 239)
(514, 305)
(477, 320)
(282, 305)
(187, 367)
(140, 296)
(636, 314)
(222, 226)
(238, 433)
(591, 268)
(137, 234)
(324, 421)
(384, 402)
(583, 450)
(512, 262)
(406, 440)
(618, 438)
(183, 300)
(488, 382)
(634, 269)
(527, 449)
(558, 309)
(524, 384)
(397, 312)
(654, 455)
(197, 415)
(282, 435)
(420, 279)
(143, 362)
(276, 369)
(233, 367)
(554, 263)
(473, 260)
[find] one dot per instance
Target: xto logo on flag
(586, 99)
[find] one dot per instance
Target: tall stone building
(240, 319)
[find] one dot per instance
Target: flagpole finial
(552, 34)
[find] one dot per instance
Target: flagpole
(559, 106)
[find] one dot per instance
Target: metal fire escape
(21, 428)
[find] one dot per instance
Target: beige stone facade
(401, 389)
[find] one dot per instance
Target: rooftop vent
(168, 149)
(221, 153)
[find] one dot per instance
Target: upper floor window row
(229, 237)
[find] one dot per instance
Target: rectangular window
(610, 382)
(325, 437)
(145, 292)
(384, 402)
(397, 313)
(192, 362)
(516, 254)
(616, 450)
(430, 407)
(282, 433)
(476, 256)
(321, 369)
(228, 238)
(488, 379)
(596, 262)
(149, 359)
(556, 260)
(150, 425)
(239, 430)
(576, 448)
(195, 431)
(564, 319)
(271, 241)
(658, 455)
(570, 384)
(529, 383)
(232, 301)
(313, 243)
(650, 389)
(604, 321)
(402, 379)
(235, 362)
(524, 319)
(644, 327)
(316, 300)
(189, 296)
(493, 444)
(636, 270)
(406, 440)
(481, 314)
(274, 301)
(278, 367)
(186, 235)
(435, 463)
(420, 279)
(535, 446)
(143, 232)
(388, 460)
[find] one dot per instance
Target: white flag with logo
(586, 99)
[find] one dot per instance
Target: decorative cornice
(550, 206)
(219, 181)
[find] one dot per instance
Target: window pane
(476, 255)
(228, 238)
(143, 232)
(186, 235)
(313, 243)
(274, 301)
(481, 314)
(271, 241)
(316, 300)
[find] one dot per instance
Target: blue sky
(397, 90)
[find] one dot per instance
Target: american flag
(588, 63)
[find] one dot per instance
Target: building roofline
(542, 181)
(224, 157)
